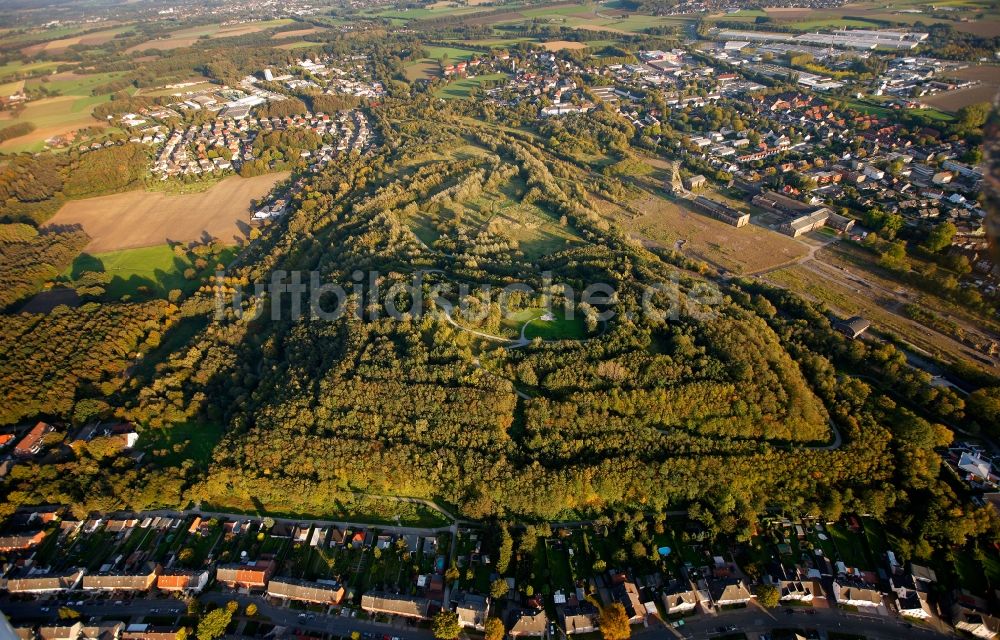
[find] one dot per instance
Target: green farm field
(61, 114)
(142, 272)
(17, 67)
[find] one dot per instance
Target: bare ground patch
(143, 218)
(673, 225)
(984, 28)
(955, 100)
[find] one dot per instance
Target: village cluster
(349, 76)
(55, 559)
(227, 143)
(394, 573)
(827, 153)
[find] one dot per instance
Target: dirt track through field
(143, 218)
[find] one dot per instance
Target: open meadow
(16, 67)
(463, 88)
(145, 271)
(143, 218)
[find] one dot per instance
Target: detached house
(856, 594)
(800, 590)
(682, 597)
(528, 623)
(581, 618)
(729, 592)
(31, 444)
(626, 593)
(980, 625)
(912, 592)
(472, 611)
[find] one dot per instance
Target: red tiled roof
(29, 442)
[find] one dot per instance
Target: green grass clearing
(144, 272)
(182, 441)
(466, 86)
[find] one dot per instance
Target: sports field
(144, 218)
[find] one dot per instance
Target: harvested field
(987, 75)
(281, 35)
(984, 28)
(789, 12)
(143, 218)
(509, 16)
(187, 37)
(56, 46)
(556, 45)
(955, 100)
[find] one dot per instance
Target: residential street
(754, 621)
(280, 616)
(341, 625)
(42, 609)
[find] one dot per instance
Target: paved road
(134, 610)
(755, 621)
(752, 621)
(36, 609)
(340, 625)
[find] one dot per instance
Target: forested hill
(645, 410)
